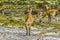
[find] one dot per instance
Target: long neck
(29, 14)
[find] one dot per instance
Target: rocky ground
(19, 34)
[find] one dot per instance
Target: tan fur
(50, 13)
(29, 17)
(28, 22)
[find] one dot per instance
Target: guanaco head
(28, 9)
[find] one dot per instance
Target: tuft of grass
(47, 31)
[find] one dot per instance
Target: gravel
(19, 34)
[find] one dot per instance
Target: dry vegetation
(16, 19)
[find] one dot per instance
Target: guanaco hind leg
(28, 28)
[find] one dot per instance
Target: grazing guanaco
(50, 13)
(53, 13)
